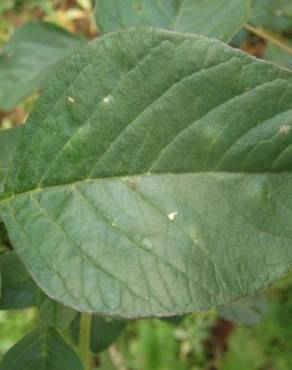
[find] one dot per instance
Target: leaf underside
(205, 17)
(153, 177)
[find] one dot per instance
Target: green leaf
(174, 320)
(4, 239)
(104, 332)
(8, 143)
(30, 58)
(205, 17)
(275, 15)
(154, 178)
(41, 350)
(279, 56)
(246, 311)
(17, 287)
(53, 313)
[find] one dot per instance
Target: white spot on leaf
(108, 99)
(171, 216)
(285, 129)
(71, 100)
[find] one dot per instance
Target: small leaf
(275, 15)
(204, 17)
(160, 124)
(30, 58)
(18, 289)
(104, 332)
(278, 56)
(245, 311)
(53, 313)
(41, 350)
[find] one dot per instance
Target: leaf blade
(42, 349)
(8, 143)
(158, 196)
(205, 17)
(21, 75)
(53, 314)
(18, 289)
(247, 311)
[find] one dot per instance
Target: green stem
(268, 37)
(84, 340)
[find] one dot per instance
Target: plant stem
(84, 340)
(268, 37)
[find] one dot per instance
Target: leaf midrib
(125, 178)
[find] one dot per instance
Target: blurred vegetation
(201, 341)
(13, 326)
(205, 342)
(73, 15)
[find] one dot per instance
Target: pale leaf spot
(285, 129)
(107, 99)
(172, 215)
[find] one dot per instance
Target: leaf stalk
(84, 340)
(268, 37)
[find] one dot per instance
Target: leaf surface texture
(162, 186)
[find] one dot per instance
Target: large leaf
(41, 350)
(17, 287)
(205, 17)
(104, 332)
(8, 143)
(154, 177)
(29, 59)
